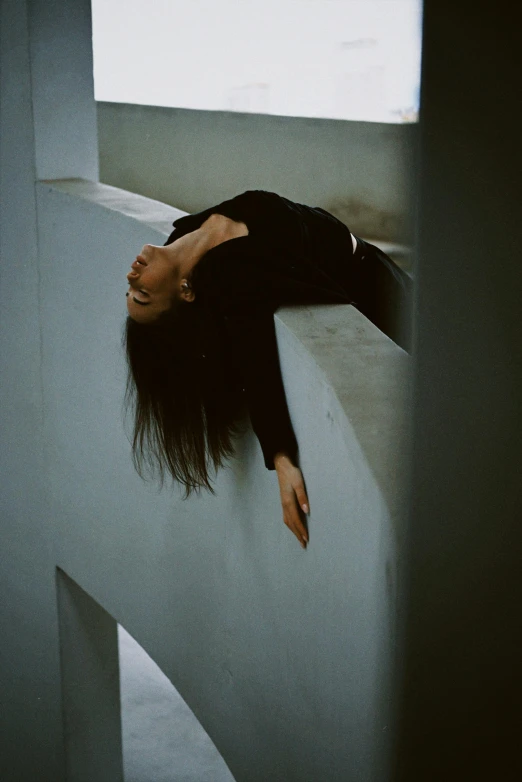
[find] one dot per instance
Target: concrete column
(47, 129)
(462, 677)
(91, 686)
(62, 89)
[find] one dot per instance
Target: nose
(132, 276)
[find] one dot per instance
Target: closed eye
(143, 303)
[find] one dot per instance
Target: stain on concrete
(367, 220)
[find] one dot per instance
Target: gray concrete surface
(362, 172)
(293, 644)
(285, 657)
(31, 145)
(162, 739)
(227, 560)
(214, 589)
(91, 701)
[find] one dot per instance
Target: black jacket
(293, 254)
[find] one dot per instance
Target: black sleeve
(248, 315)
(254, 341)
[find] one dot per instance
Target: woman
(200, 336)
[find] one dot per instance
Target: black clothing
(293, 254)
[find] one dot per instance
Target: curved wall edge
(251, 630)
(373, 377)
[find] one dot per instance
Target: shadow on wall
(366, 220)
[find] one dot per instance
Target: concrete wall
(285, 656)
(363, 172)
(31, 92)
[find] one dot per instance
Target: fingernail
(304, 506)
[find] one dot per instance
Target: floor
(162, 739)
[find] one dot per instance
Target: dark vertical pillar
(463, 644)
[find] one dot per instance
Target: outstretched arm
(255, 338)
(249, 322)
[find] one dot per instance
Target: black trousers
(382, 291)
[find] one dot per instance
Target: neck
(194, 245)
(188, 250)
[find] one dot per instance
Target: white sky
(341, 59)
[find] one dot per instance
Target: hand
(293, 496)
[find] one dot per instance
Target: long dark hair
(186, 401)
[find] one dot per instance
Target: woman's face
(154, 283)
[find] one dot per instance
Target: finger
(303, 501)
(299, 524)
(295, 524)
(290, 523)
(292, 517)
(302, 542)
(301, 496)
(302, 532)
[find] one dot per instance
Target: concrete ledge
(252, 631)
(370, 381)
(160, 216)
(369, 375)
(147, 211)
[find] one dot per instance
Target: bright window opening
(338, 59)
